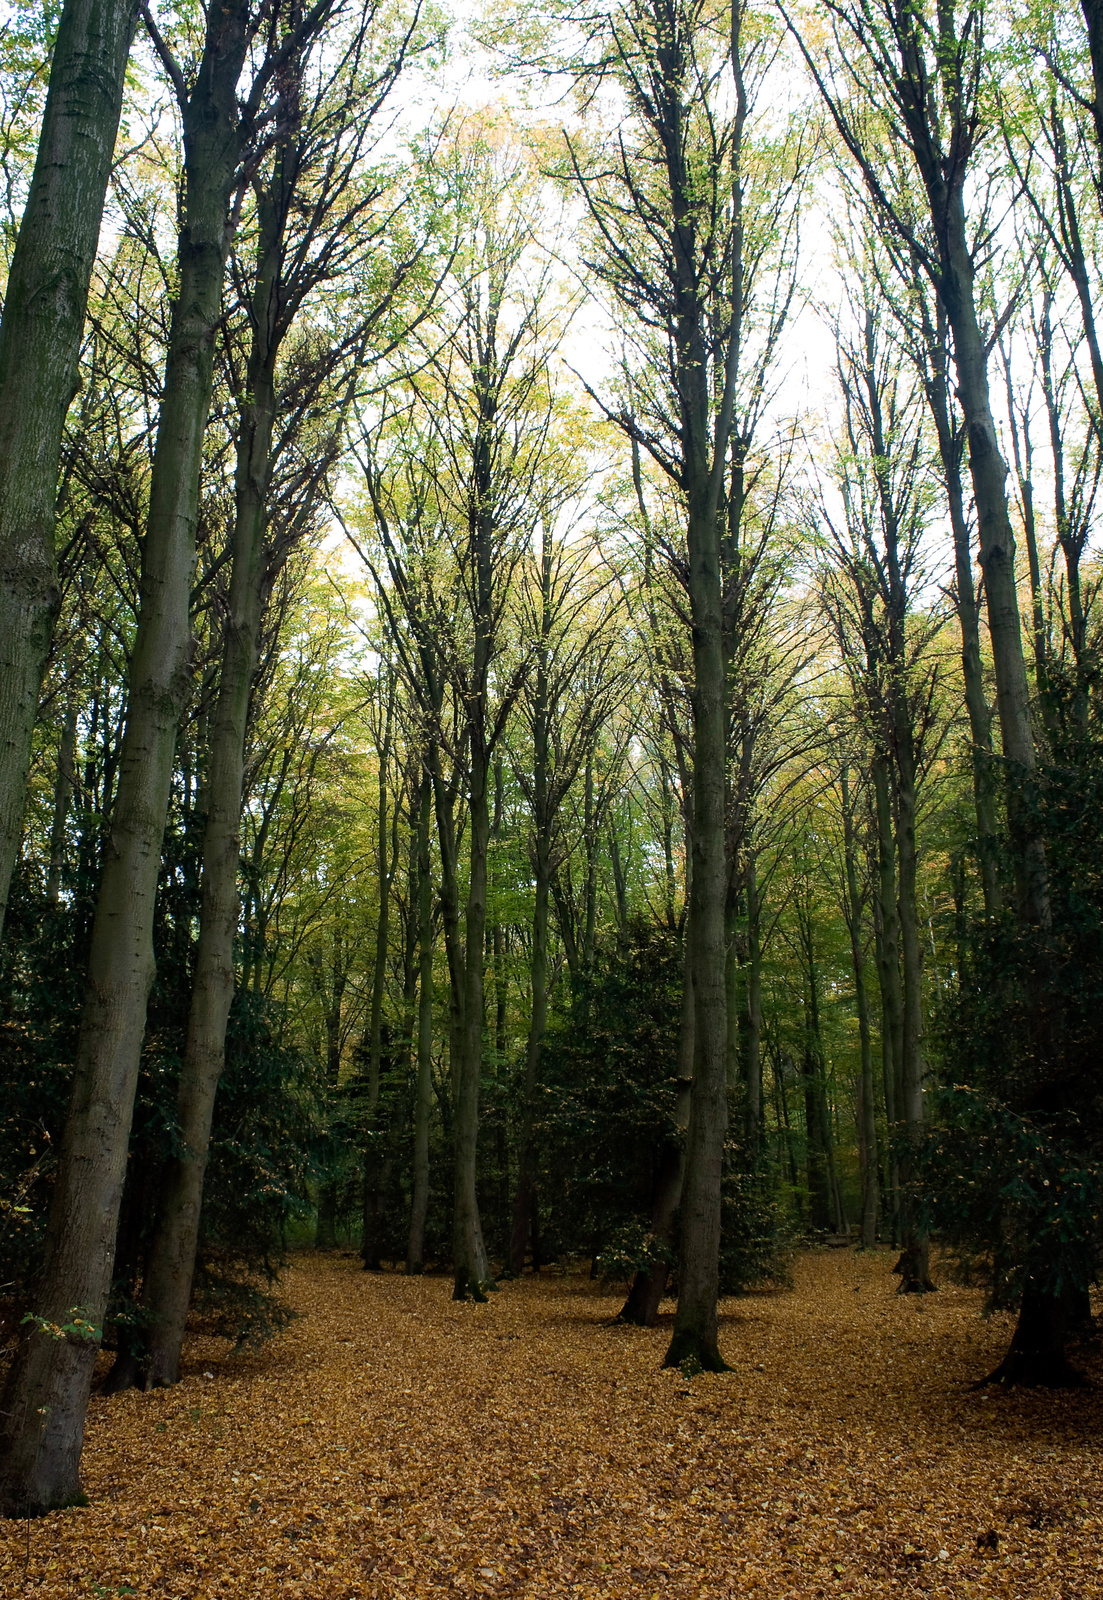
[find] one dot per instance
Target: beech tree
(40, 337)
(684, 220)
(49, 1382)
(482, 413)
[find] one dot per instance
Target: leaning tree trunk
(967, 607)
(423, 1097)
(170, 1269)
(997, 552)
(997, 544)
(48, 1386)
(45, 299)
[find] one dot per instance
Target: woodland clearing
(393, 1442)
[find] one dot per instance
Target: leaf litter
(392, 1443)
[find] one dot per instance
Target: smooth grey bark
(423, 1093)
(50, 1379)
(45, 300)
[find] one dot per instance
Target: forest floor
(392, 1443)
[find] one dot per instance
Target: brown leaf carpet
(392, 1443)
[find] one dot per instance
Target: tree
(49, 1382)
(481, 413)
(40, 336)
(683, 220)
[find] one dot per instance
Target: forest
(551, 728)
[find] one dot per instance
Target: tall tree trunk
(50, 1379)
(501, 1016)
(695, 1337)
(45, 300)
(967, 606)
(648, 1286)
(423, 1097)
(386, 862)
(817, 1130)
(888, 969)
(867, 1109)
(170, 1268)
(913, 1265)
(325, 1237)
(472, 1272)
(753, 1042)
(526, 1200)
(997, 546)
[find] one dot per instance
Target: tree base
(1027, 1369)
(467, 1287)
(641, 1309)
(916, 1286)
(694, 1353)
(913, 1268)
(17, 1510)
(125, 1373)
(1036, 1358)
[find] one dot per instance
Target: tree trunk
(888, 969)
(695, 1338)
(867, 1111)
(967, 607)
(913, 1265)
(753, 1043)
(1037, 1356)
(45, 300)
(997, 546)
(472, 1272)
(171, 1265)
(50, 1379)
(525, 1201)
(386, 861)
(423, 1099)
(648, 1287)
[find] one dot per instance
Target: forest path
(392, 1443)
